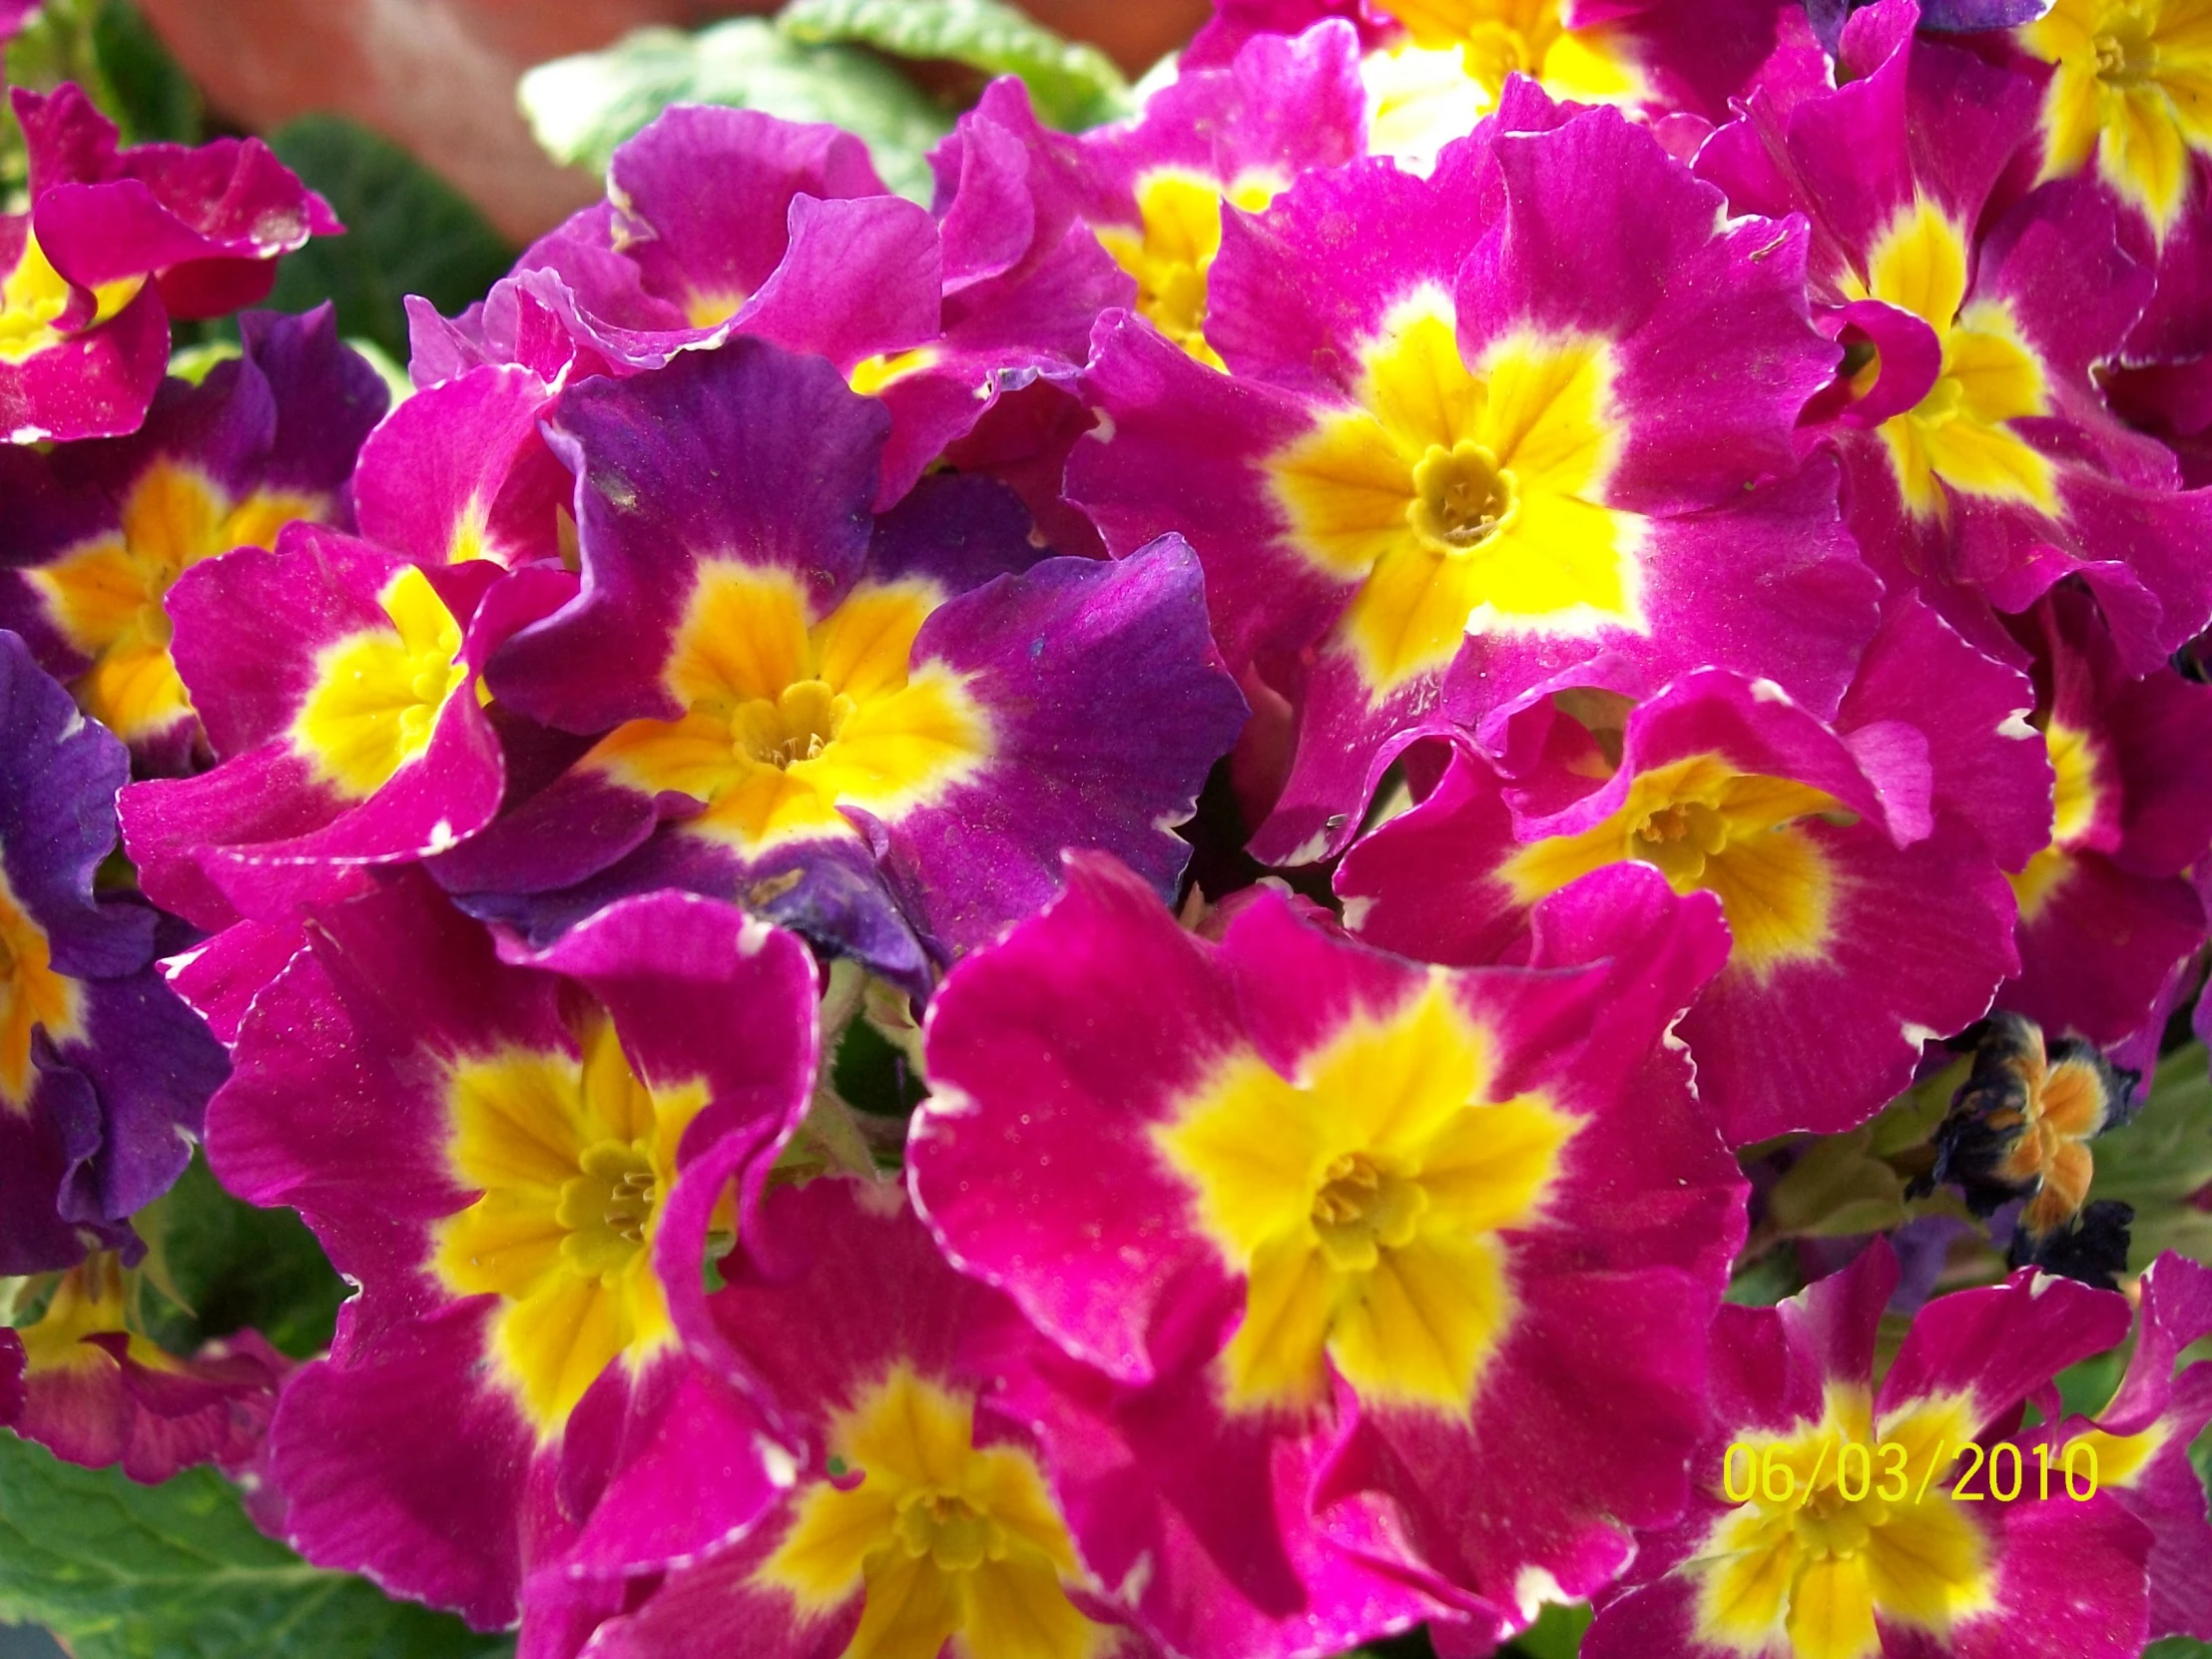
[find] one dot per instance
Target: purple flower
(103, 1072)
(98, 532)
(882, 733)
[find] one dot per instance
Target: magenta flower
(1980, 459)
(96, 1393)
(1859, 862)
(103, 1073)
(922, 1520)
(1153, 190)
(99, 532)
(882, 733)
(1431, 70)
(337, 686)
(461, 471)
(115, 244)
(2118, 105)
(2106, 909)
(1904, 1566)
(1356, 1244)
(2141, 1443)
(796, 242)
(1537, 410)
(490, 1152)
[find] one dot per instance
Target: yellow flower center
(106, 597)
(941, 1537)
(1171, 250)
(573, 1155)
(33, 997)
(33, 296)
(788, 721)
(1362, 1211)
(2127, 52)
(93, 1299)
(1363, 1200)
(377, 694)
(1707, 826)
(1868, 1529)
(1960, 434)
(2132, 88)
(1465, 498)
(1461, 496)
(802, 721)
(1497, 38)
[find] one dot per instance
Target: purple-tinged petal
(329, 398)
(103, 1073)
(268, 438)
(152, 1065)
(1108, 706)
(704, 195)
(656, 495)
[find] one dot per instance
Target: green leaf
(1766, 1280)
(1073, 85)
(149, 97)
(408, 232)
(177, 1571)
(195, 362)
(582, 107)
(1558, 1632)
(2085, 1387)
(2161, 1160)
(235, 1266)
(1835, 1190)
(870, 1074)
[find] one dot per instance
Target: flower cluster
(1392, 699)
